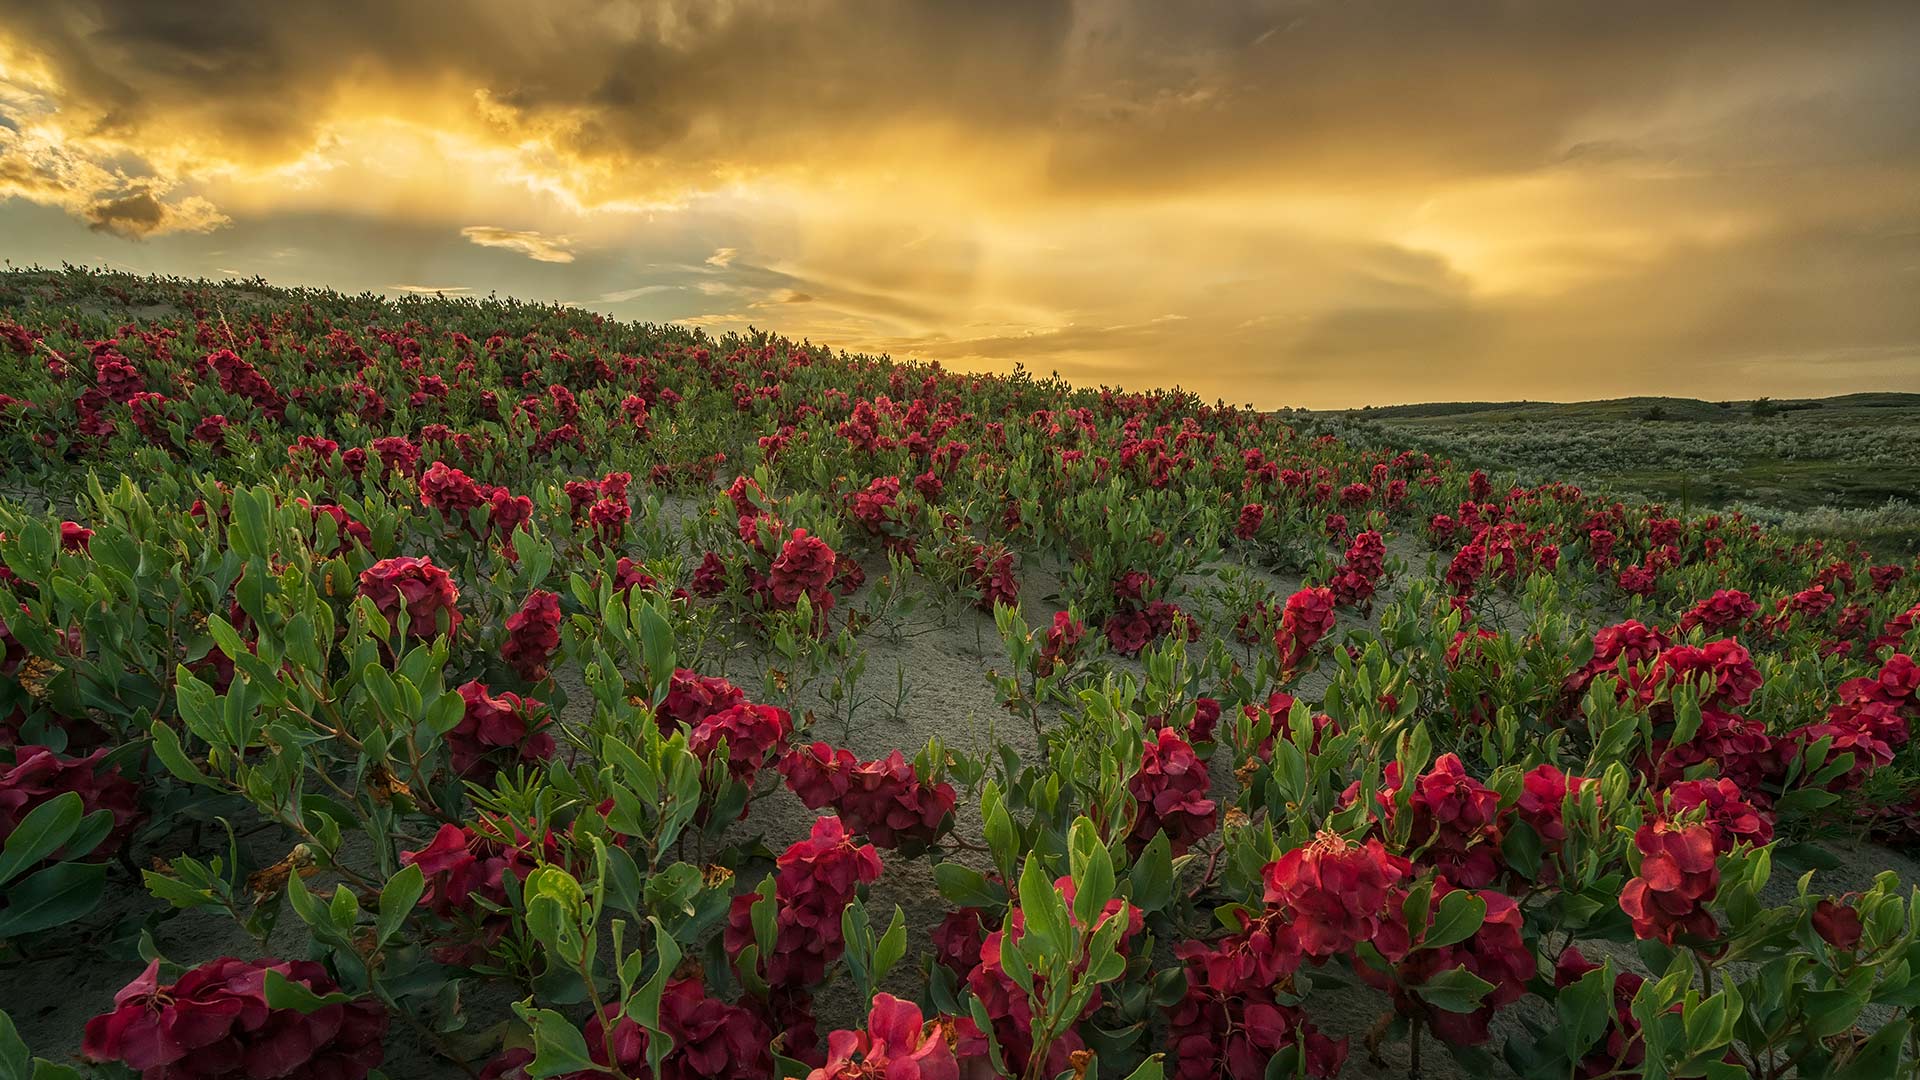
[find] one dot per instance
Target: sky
(1272, 202)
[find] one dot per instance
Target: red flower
(533, 635)
(897, 1045)
(1456, 820)
(712, 1040)
(1338, 894)
(1837, 923)
(1727, 812)
(750, 731)
(417, 587)
(1307, 618)
(1678, 876)
(1543, 794)
(491, 724)
(1128, 631)
(1062, 643)
(692, 697)
(214, 1023)
(1496, 952)
(449, 490)
(814, 881)
(804, 567)
(39, 775)
(885, 799)
(1247, 526)
(1170, 788)
(957, 940)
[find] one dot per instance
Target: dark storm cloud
(1131, 95)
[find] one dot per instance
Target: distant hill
(1629, 408)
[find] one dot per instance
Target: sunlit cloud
(1343, 202)
(533, 245)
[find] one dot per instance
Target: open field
(433, 688)
(1845, 466)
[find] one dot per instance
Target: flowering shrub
(549, 835)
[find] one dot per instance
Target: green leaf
(1585, 1007)
(1092, 873)
(558, 1046)
(166, 747)
(283, 993)
(892, 946)
(40, 833)
(1461, 913)
(61, 893)
(15, 1062)
(1152, 875)
(1150, 1069)
(1456, 990)
(967, 887)
(1043, 908)
(397, 900)
(644, 1008)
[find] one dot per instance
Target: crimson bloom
(214, 1023)
(416, 586)
(897, 1045)
(533, 635)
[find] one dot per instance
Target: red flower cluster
(1171, 790)
(750, 731)
(1726, 609)
(1456, 820)
(884, 800)
(1728, 813)
(1337, 894)
(1307, 618)
(466, 872)
(214, 1023)
(712, 1040)
(1062, 643)
(804, 567)
(897, 1045)
(1228, 1023)
(39, 775)
(1008, 1007)
(1247, 525)
(1357, 578)
(533, 635)
(692, 697)
(1679, 874)
(1496, 952)
(496, 730)
(416, 586)
(449, 491)
(814, 881)
(1544, 791)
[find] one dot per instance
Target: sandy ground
(941, 658)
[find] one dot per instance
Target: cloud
(430, 290)
(1347, 201)
(621, 296)
(533, 245)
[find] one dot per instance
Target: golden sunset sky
(1282, 203)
